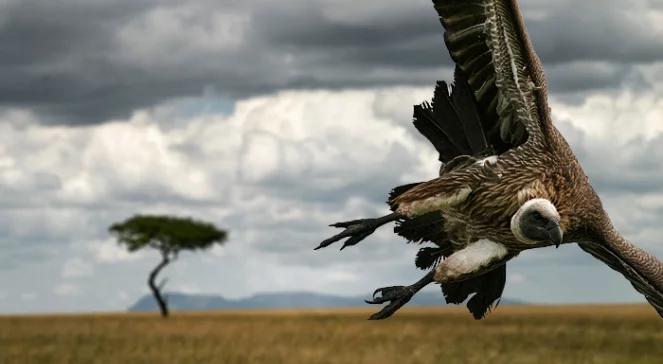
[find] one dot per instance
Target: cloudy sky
(274, 119)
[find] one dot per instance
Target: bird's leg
(397, 296)
(357, 230)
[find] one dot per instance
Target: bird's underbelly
(472, 260)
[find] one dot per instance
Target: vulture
(508, 181)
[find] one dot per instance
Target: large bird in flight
(508, 182)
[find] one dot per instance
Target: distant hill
(180, 301)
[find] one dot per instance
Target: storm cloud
(85, 62)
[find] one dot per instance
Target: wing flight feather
(488, 41)
(616, 262)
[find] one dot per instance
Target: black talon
(397, 296)
(390, 294)
(357, 230)
(386, 312)
(347, 224)
(356, 239)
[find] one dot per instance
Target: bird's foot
(356, 230)
(396, 296)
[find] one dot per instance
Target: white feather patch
(435, 203)
(471, 259)
(488, 160)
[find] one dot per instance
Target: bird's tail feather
(486, 289)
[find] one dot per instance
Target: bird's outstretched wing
(488, 41)
(616, 261)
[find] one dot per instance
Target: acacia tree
(169, 235)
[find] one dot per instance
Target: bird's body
(493, 193)
(509, 180)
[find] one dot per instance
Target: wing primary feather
(448, 120)
(463, 99)
(452, 123)
(488, 41)
(614, 261)
(426, 124)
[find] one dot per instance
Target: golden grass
(541, 335)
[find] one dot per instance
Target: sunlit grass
(579, 334)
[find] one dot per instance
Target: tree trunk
(156, 291)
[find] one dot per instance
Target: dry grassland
(541, 335)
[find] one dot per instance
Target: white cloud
(121, 299)
(184, 288)
(342, 276)
(29, 296)
(515, 278)
(617, 117)
(275, 173)
(108, 251)
(66, 290)
(76, 268)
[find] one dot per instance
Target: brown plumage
(527, 195)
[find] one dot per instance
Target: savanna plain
(511, 334)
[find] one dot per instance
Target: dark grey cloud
(597, 31)
(632, 167)
(86, 62)
(57, 58)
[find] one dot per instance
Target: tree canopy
(166, 233)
